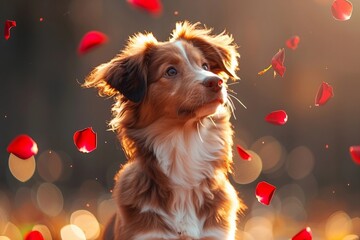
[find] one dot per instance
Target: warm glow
(72, 232)
(50, 199)
(21, 169)
(87, 222)
(247, 171)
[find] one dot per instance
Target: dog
(172, 117)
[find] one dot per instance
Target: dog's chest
(184, 211)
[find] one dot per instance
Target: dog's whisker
(232, 107)
(212, 120)
(232, 91)
(229, 84)
(242, 104)
(198, 130)
(201, 123)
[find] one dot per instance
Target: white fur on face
(200, 75)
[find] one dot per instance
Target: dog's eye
(171, 72)
(205, 66)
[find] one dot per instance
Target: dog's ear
(219, 50)
(127, 72)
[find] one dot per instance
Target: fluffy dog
(171, 114)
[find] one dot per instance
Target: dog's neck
(190, 153)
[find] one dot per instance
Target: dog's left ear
(127, 72)
(219, 50)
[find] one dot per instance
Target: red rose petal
(8, 25)
(324, 93)
(304, 234)
(85, 140)
(242, 153)
(277, 62)
(151, 6)
(293, 42)
(23, 147)
(341, 10)
(90, 40)
(355, 153)
(34, 235)
(264, 192)
(278, 117)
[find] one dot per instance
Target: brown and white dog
(172, 117)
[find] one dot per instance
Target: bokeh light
(49, 166)
(271, 153)
(87, 222)
(338, 226)
(259, 228)
(44, 230)
(72, 232)
(106, 209)
(11, 231)
(21, 169)
(247, 171)
(300, 162)
(49, 199)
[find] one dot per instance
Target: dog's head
(182, 78)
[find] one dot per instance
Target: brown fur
(144, 106)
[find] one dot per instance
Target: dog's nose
(213, 83)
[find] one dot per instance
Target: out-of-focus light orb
(87, 222)
(11, 231)
(4, 238)
(105, 210)
(50, 199)
(49, 166)
(72, 232)
(351, 237)
(356, 225)
(3, 219)
(247, 171)
(300, 162)
(44, 230)
(338, 226)
(21, 169)
(292, 208)
(271, 153)
(240, 235)
(259, 228)
(292, 190)
(270, 212)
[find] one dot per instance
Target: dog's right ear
(127, 72)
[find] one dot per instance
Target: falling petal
(278, 117)
(242, 153)
(265, 70)
(324, 93)
(85, 140)
(23, 146)
(34, 235)
(341, 10)
(264, 192)
(293, 42)
(277, 62)
(8, 25)
(91, 40)
(151, 6)
(355, 154)
(304, 234)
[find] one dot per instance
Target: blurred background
(307, 159)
